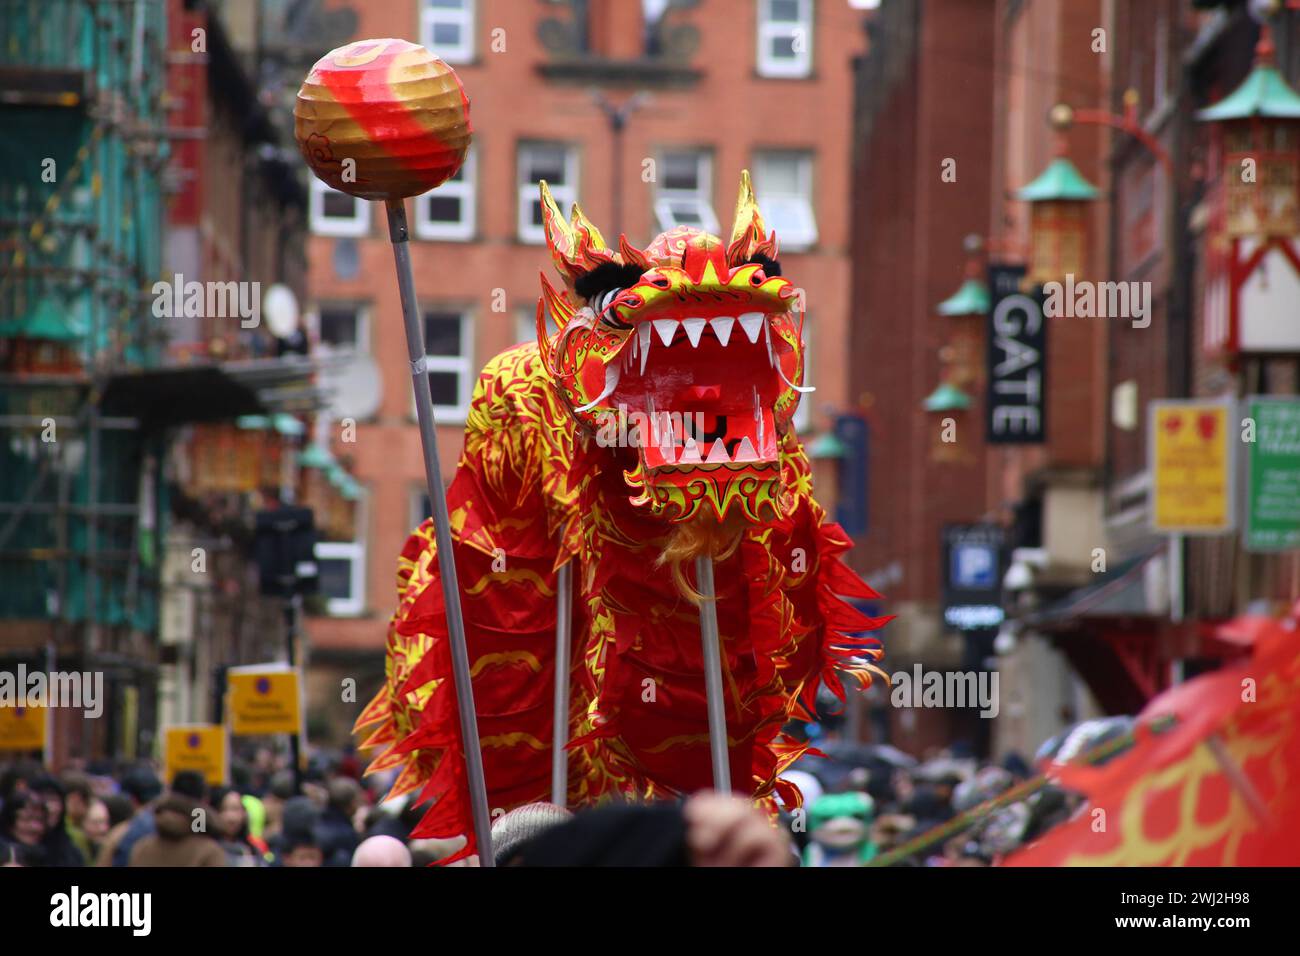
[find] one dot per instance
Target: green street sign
(1273, 479)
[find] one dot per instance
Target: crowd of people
(859, 802)
(125, 815)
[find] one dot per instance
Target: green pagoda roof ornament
(315, 456)
(47, 321)
(1061, 180)
(1264, 92)
(946, 398)
(828, 445)
(971, 299)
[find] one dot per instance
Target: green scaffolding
(81, 226)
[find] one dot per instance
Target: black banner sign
(1017, 361)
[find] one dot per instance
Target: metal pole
(713, 674)
(563, 629)
(618, 122)
(290, 642)
(398, 234)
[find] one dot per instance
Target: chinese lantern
(1260, 145)
(1058, 222)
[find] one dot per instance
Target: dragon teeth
(722, 327)
(612, 374)
(643, 342)
(694, 328)
(752, 322)
(745, 451)
(718, 453)
(666, 328)
(690, 453)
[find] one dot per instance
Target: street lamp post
(617, 114)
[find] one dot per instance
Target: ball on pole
(382, 119)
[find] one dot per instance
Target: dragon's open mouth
(689, 351)
(699, 391)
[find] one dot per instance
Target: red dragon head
(689, 351)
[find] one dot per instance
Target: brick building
(924, 99)
(1102, 612)
(646, 113)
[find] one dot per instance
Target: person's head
(231, 818)
(95, 821)
(23, 817)
(79, 793)
(303, 850)
(120, 808)
(190, 783)
(141, 785)
(512, 830)
(280, 791)
(300, 816)
(381, 851)
(21, 773)
(344, 795)
(51, 792)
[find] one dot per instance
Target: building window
(526, 325)
(448, 211)
(785, 37)
(684, 196)
(447, 27)
(344, 327)
(337, 214)
(421, 507)
(449, 359)
(342, 569)
(783, 185)
(557, 163)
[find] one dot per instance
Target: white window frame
(354, 226)
(362, 344)
(462, 364)
(700, 198)
(355, 552)
(430, 16)
(465, 189)
(768, 30)
(565, 194)
(770, 202)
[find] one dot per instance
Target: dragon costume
(653, 425)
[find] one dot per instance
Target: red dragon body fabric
(654, 424)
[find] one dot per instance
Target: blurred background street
(1050, 251)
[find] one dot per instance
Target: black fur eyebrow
(606, 276)
(771, 267)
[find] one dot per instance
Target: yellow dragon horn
(577, 246)
(579, 223)
(559, 236)
(747, 229)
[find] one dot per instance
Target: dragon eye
(601, 306)
(602, 284)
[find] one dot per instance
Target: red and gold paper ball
(391, 107)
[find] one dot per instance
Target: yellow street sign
(263, 700)
(200, 747)
(1192, 445)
